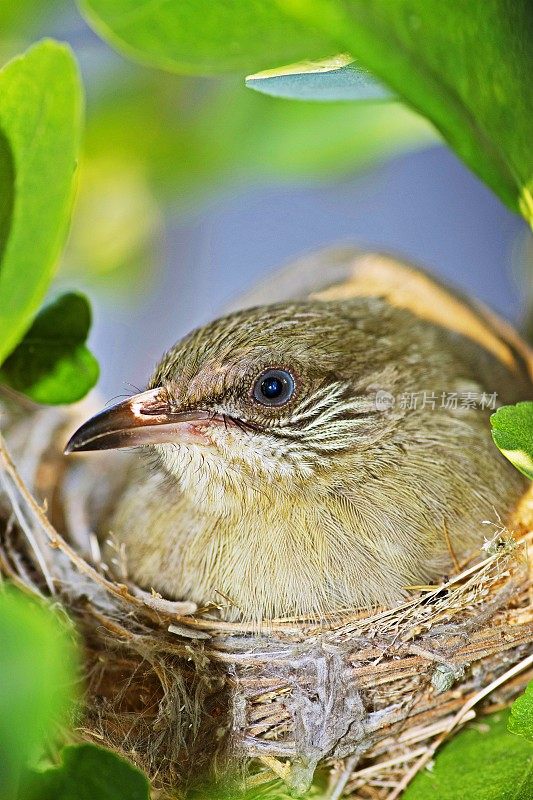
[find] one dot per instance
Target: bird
(322, 452)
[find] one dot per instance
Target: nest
(351, 708)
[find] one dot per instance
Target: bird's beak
(142, 419)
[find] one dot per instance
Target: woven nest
(353, 708)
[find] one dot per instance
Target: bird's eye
(274, 387)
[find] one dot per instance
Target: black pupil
(272, 387)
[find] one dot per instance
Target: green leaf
(88, 772)
(37, 673)
(512, 431)
(464, 65)
(203, 36)
(40, 121)
(521, 719)
(484, 762)
(52, 364)
(339, 78)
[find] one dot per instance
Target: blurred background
(191, 190)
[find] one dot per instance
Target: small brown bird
(320, 454)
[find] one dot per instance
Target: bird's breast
(279, 552)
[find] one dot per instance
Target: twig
(277, 767)
(392, 762)
(55, 540)
(27, 529)
(178, 608)
(344, 777)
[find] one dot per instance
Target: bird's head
(273, 393)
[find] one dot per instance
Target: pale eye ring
(274, 387)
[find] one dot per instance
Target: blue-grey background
(424, 205)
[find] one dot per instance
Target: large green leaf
(203, 36)
(512, 431)
(88, 772)
(40, 121)
(484, 762)
(37, 672)
(521, 719)
(465, 65)
(52, 364)
(338, 78)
